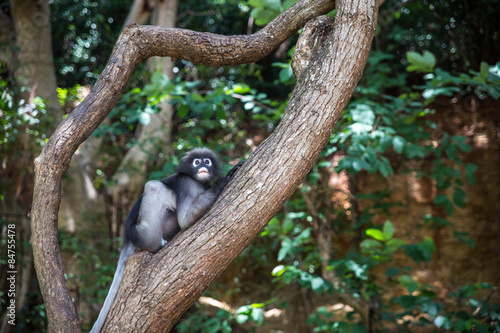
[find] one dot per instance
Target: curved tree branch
(243, 209)
(181, 271)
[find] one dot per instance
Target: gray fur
(165, 208)
(195, 204)
(155, 213)
(127, 251)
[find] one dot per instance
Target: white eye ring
(207, 162)
(196, 162)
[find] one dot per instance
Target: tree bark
(161, 287)
(196, 257)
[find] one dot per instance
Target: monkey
(167, 207)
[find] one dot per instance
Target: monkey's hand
(231, 172)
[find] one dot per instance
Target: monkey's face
(203, 168)
(201, 164)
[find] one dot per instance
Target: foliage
(19, 114)
(228, 17)
(460, 34)
(264, 11)
(94, 265)
(389, 134)
(374, 132)
(223, 321)
(83, 35)
(388, 129)
(202, 323)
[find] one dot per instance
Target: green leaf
(212, 325)
(197, 97)
(278, 270)
(393, 244)
(287, 225)
(357, 164)
(257, 315)
(385, 167)
(444, 91)
(391, 272)
(226, 327)
(464, 237)
(241, 318)
(183, 110)
(414, 151)
(427, 247)
(256, 3)
(484, 69)
(263, 15)
(388, 229)
(317, 284)
(420, 62)
(249, 105)
(357, 269)
(442, 200)
(286, 74)
(459, 197)
(422, 251)
(221, 114)
(376, 233)
(470, 170)
(239, 88)
(406, 301)
(363, 114)
(398, 143)
(408, 282)
(286, 248)
(371, 245)
(303, 236)
(440, 321)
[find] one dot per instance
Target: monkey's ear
(231, 172)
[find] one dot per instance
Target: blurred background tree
(397, 226)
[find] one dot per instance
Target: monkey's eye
(196, 162)
(207, 162)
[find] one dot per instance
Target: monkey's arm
(233, 170)
(193, 202)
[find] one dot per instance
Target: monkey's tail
(127, 251)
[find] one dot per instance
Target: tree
(32, 24)
(27, 32)
(178, 273)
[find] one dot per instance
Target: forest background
(396, 228)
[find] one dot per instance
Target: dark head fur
(186, 164)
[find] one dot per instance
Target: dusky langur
(167, 207)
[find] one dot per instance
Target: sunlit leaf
(399, 144)
(286, 248)
(376, 233)
(420, 62)
(278, 270)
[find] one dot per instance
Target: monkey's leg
(157, 201)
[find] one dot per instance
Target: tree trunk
(26, 43)
(34, 39)
(160, 287)
(189, 264)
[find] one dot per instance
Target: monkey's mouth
(203, 173)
